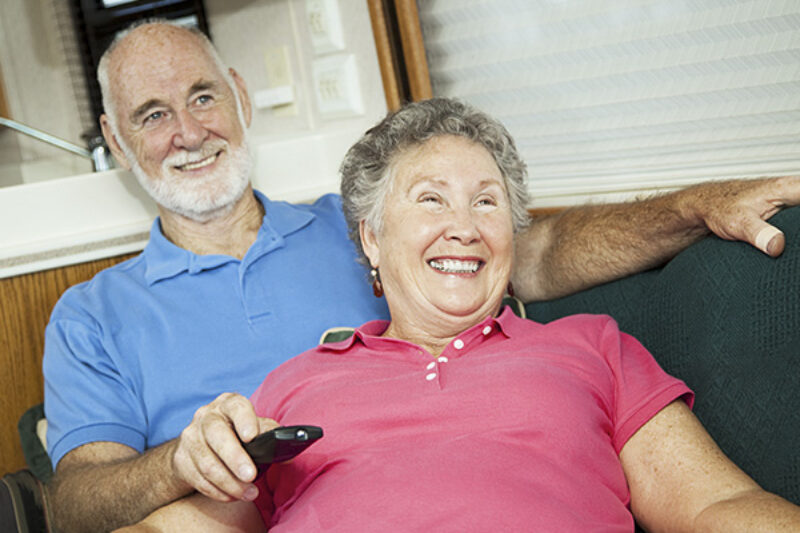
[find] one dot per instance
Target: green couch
(725, 318)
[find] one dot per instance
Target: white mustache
(185, 157)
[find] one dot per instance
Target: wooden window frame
(3, 104)
(401, 51)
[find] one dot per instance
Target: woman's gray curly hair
(368, 166)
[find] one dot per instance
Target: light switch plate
(324, 26)
(336, 86)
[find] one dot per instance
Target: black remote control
(282, 443)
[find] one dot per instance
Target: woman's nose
(191, 132)
(462, 227)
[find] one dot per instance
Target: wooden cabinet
(25, 305)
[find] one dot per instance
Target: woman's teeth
(454, 266)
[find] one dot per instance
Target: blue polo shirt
(131, 354)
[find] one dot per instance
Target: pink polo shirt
(517, 426)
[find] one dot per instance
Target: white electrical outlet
(336, 86)
(324, 26)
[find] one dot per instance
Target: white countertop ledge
(72, 220)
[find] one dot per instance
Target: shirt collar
(164, 259)
(370, 333)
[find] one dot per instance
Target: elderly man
(232, 284)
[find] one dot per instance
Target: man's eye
(152, 117)
(204, 99)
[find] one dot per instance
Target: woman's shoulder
(587, 333)
(585, 323)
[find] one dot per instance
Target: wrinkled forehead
(442, 155)
(154, 46)
(153, 61)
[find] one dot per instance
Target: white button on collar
(431, 376)
(487, 330)
(431, 365)
(458, 344)
(443, 359)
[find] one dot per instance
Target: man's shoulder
(328, 207)
(321, 219)
(106, 285)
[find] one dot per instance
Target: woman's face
(445, 249)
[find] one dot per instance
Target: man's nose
(191, 132)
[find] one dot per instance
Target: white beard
(200, 199)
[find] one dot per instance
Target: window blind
(610, 98)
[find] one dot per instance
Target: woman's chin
(474, 311)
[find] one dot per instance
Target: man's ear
(244, 97)
(111, 141)
(369, 242)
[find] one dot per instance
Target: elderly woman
(457, 415)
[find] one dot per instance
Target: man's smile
(199, 164)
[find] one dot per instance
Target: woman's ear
(369, 243)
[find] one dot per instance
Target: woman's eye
(429, 198)
(204, 99)
(486, 202)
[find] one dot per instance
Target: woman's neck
(435, 333)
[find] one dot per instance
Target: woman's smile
(455, 266)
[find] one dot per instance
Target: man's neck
(231, 233)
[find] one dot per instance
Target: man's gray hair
(102, 67)
(368, 166)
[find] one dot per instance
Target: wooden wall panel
(25, 305)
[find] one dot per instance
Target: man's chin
(200, 198)
(205, 208)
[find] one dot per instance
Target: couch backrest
(725, 318)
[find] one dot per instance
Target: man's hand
(738, 209)
(209, 455)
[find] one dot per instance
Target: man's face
(179, 123)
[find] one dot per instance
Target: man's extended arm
(198, 513)
(104, 485)
(588, 245)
